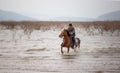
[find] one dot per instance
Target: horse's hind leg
(79, 45)
(79, 41)
(75, 46)
(61, 49)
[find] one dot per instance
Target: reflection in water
(68, 56)
(41, 53)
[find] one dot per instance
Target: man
(71, 31)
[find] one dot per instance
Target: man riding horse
(69, 39)
(71, 31)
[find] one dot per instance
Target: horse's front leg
(68, 49)
(62, 45)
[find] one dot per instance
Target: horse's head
(64, 33)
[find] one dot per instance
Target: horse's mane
(67, 32)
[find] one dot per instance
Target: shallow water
(39, 52)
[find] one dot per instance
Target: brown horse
(67, 41)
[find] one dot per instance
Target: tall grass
(29, 26)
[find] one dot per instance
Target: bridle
(61, 35)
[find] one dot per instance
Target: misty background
(60, 10)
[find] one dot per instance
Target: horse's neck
(66, 37)
(66, 40)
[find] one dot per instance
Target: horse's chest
(66, 41)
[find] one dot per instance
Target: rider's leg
(73, 41)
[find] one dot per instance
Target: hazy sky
(60, 8)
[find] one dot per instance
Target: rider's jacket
(71, 31)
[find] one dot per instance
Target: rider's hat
(70, 24)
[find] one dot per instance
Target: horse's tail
(78, 41)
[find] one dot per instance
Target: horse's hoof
(62, 52)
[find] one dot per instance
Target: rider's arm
(73, 31)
